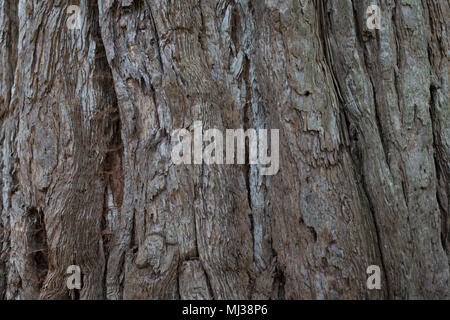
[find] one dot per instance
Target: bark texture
(86, 117)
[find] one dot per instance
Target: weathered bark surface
(86, 118)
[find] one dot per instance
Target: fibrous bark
(86, 123)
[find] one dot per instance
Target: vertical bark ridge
(59, 146)
(400, 101)
(438, 47)
(8, 58)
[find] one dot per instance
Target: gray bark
(86, 118)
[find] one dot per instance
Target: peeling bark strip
(91, 92)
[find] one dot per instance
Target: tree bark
(86, 117)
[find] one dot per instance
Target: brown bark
(86, 118)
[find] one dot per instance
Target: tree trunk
(87, 116)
